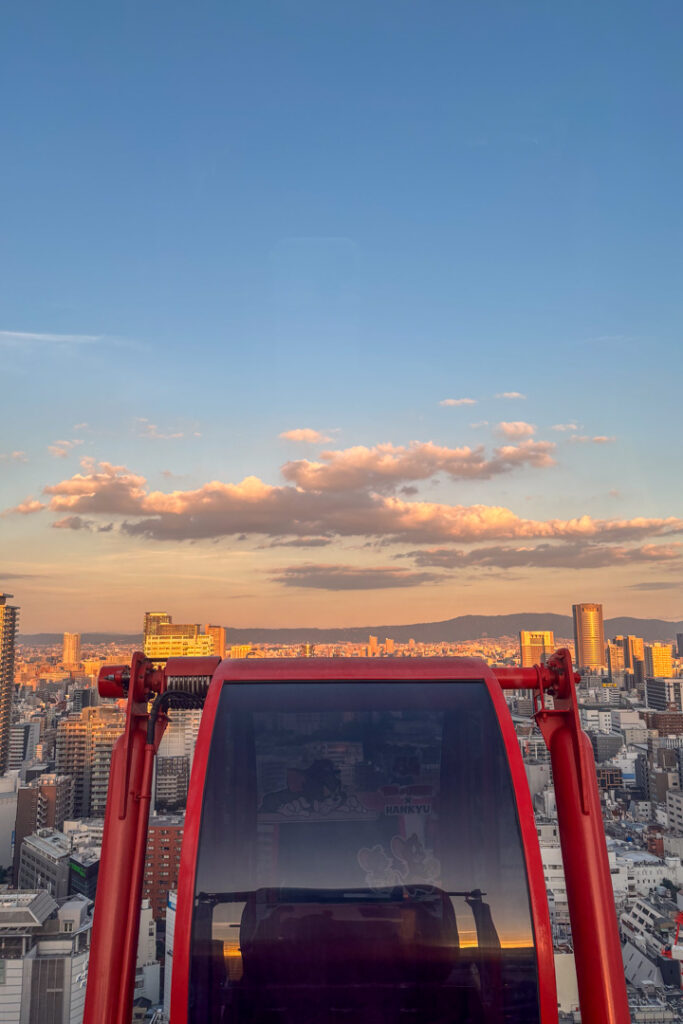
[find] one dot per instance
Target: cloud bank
(285, 512)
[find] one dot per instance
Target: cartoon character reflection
(313, 790)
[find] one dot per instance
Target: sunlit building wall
(634, 650)
(219, 635)
(615, 660)
(71, 650)
(658, 660)
(177, 645)
(535, 646)
(153, 620)
(589, 636)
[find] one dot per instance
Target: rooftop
(25, 908)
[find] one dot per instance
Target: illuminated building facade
(71, 650)
(589, 636)
(658, 661)
(535, 646)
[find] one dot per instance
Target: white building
(674, 810)
(596, 719)
(44, 949)
(553, 874)
(147, 967)
(168, 960)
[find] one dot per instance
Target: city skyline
(387, 328)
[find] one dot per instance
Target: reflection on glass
(360, 853)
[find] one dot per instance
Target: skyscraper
(71, 650)
(589, 636)
(615, 660)
(634, 650)
(535, 645)
(9, 616)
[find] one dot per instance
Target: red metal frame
(602, 989)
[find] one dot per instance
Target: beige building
(84, 747)
(535, 646)
(71, 650)
(589, 636)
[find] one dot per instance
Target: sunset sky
(338, 313)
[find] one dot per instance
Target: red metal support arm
(111, 970)
(597, 949)
(113, 950)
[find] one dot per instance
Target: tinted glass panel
(360, 854)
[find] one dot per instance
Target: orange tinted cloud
(516, 429)
(253, 507)
(385, 466)
(306, 435)
(26, 508)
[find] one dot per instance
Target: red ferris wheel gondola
(359, 844)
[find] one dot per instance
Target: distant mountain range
(461, 628)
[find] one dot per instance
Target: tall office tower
(46, 802)
(71, 650)
(658, 661)
(373, 646)
(83, 750)
(103, 741)
(634, 650)
(9, 616)
(153, 620)
(679, 644)
(615, 660)
(219, 634)
(589, 636)
(535, 646)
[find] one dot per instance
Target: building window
(68, 926)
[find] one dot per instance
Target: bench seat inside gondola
(355, 937)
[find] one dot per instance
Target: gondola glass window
(360, 853)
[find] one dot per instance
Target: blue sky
(235, 220)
